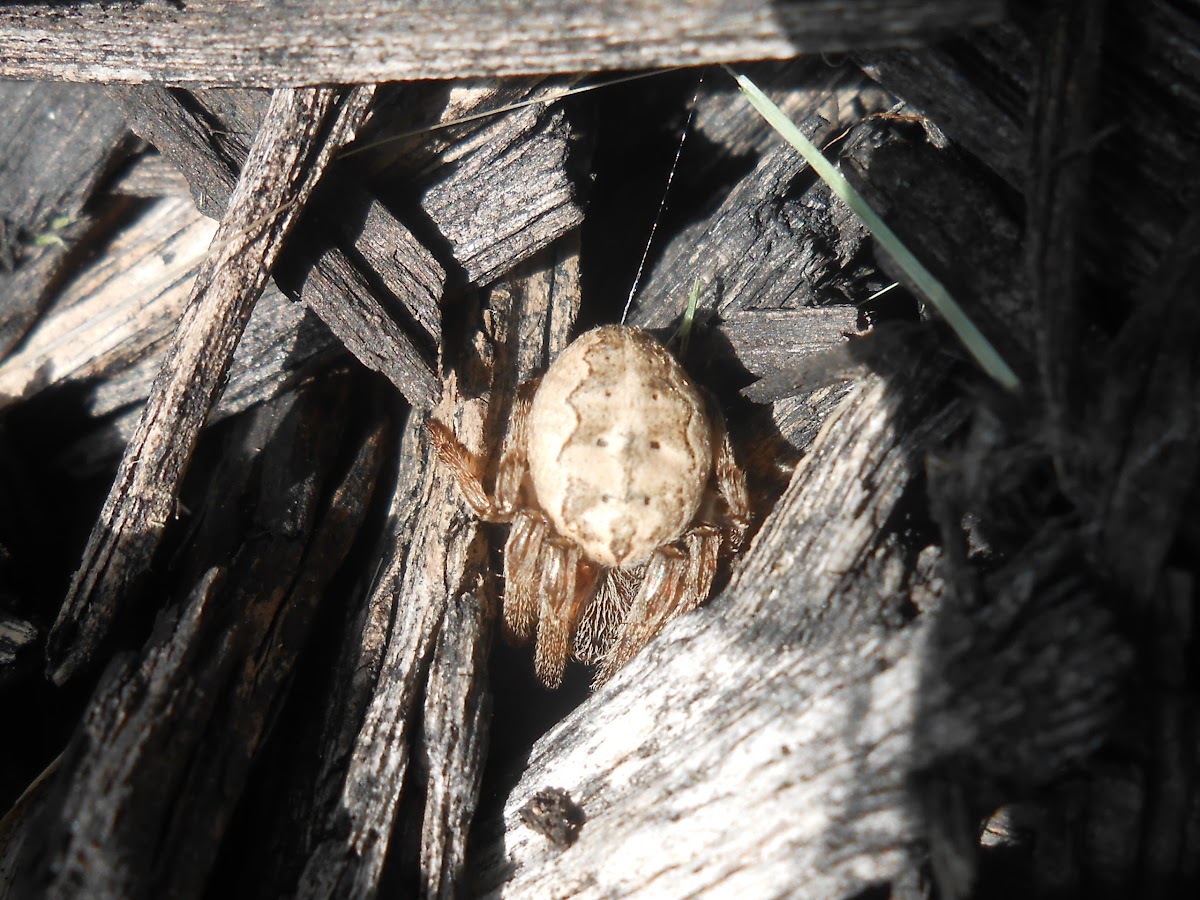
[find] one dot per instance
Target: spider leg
(731, 481)
(566, 587)
(677, 581)
(526, 541)
(703, 553)
(467, 468)
(601, 622)
(659, 588)
(464, 467)
(514, 461)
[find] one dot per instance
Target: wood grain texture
(208, 145)
(771, 743)
(922, 189)
(277, 44)
(763, 248)
(1064, 108)
(116, 309)
(299, 137)
(153, 779)
(975, 88)
(979, 89)
(108, 330)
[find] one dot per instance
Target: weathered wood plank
(283, 344)
(284, 835)
(154, 773)
(351, 836)
(116, 308)
(276, 44)
(509, 195)
(108, 330)
(299, 138)
(455, 726)
(979, 89)
(767, 744)
(764, 246)
(958, 225)
(975, 88)
(150, 175)
(496, 192)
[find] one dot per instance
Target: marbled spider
(621, 488)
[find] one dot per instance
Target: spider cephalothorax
(622, 489)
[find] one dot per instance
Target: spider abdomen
(619, 446)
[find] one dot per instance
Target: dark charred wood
(210, 151)
(408, 731)
(148, 787)
(1063, 113)
(975, 88)
(298, 139)
(923, 192)
(765, 246)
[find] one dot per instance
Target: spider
(621, 488)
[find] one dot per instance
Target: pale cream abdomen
(620, 447)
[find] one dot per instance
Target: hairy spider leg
(703, 553)
(521, 573)
(513, 469)
(566, 586)
(467, 468)
(678, 579)
(730, 480)
(601, 622)
(464, 467)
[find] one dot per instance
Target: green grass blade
(935, 292)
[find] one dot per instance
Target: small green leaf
(684, 333)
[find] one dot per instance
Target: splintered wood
(288, 670)
(300, 135)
